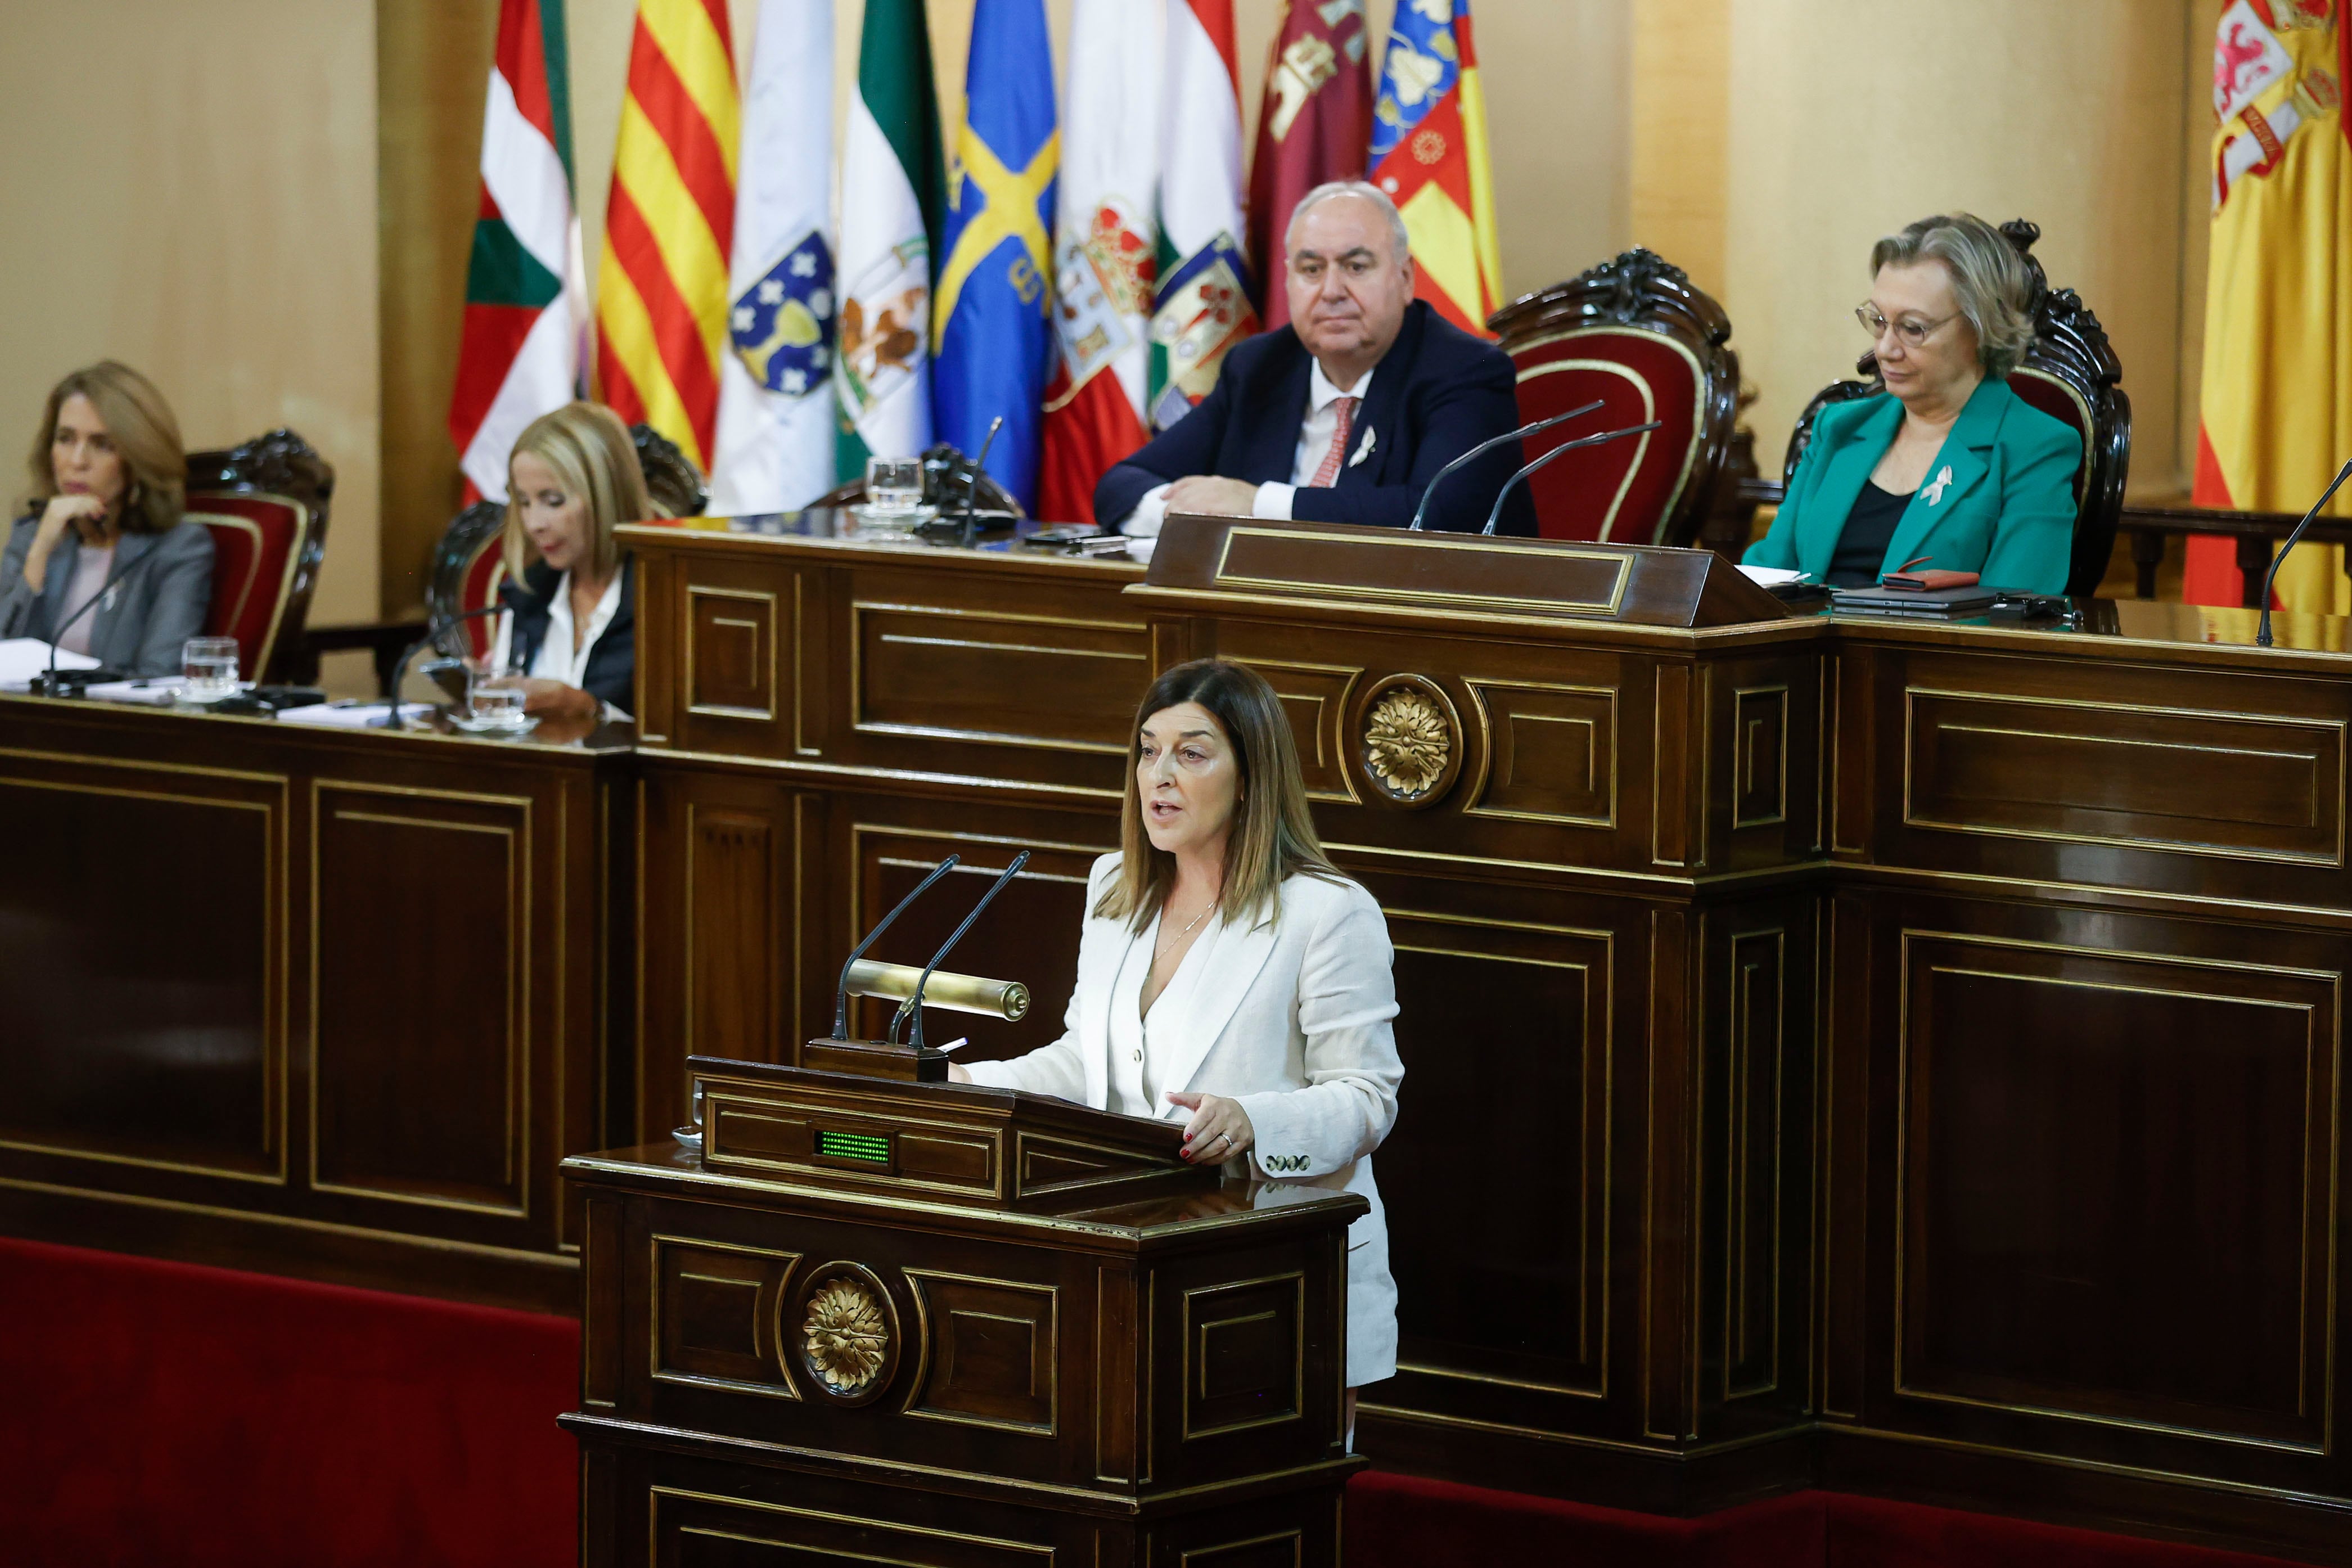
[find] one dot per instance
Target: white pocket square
(1364, 447)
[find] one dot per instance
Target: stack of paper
(22, 658)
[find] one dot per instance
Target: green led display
(866, 1147)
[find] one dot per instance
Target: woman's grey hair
(1988, 278)
(1399, 235)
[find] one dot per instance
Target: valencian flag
(893, 196)
(1203, 306)
(520, 354)
(991, 343)
(775, 385)
(2277, 391)
(661, 288)
(1429, 153)
(1313, 126)
(1106, 253)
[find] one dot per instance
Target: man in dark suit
(1347, 413)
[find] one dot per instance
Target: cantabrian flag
(2276, 403)
(1313, 126)
(519, 357)
(1429, 153)
(661, 287)
(1203, 306)
(1105, 251)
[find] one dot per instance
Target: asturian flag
(1202, 304)
(775, 386)
(1312, 127)
(1430, 154)
(992, 342)
(2277, 407)
(661, 289)
(1105, 252)
(893, 194)
(524, 297)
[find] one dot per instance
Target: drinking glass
(494, 695)
(210, 666)
(893, 484)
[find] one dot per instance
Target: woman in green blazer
(1948, 469)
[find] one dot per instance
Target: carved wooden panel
(444, 1121)
(731, 659)
(731, 930)
(991, 1348)
(1760, 739)
(184, 1069)
(1317, 698)
(716, 1315)
(1551, 753)
(1761, 1169)
(1043, 681)
(698, 1529)
(1245, 1362)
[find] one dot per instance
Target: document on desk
(21, 658)
(1771, 576)
(354, 716)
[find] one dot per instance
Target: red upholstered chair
(265, 503)
(1634, 334)
(2070, 372)
(469, 563)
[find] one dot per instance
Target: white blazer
(1290, 1017)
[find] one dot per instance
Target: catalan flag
(661, 289)
(1430, 154)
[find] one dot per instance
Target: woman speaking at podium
(1228, 974)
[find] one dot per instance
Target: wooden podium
(874, 1321)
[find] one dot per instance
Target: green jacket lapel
(1958, 470)
(1846, 470)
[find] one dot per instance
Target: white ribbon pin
(1364, 447)
(1934, 492)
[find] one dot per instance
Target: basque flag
(993, 341)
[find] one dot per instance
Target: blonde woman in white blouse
(1228, 975)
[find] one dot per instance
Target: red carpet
(166, 1415)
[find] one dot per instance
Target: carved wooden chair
(1636, 334)
(468, 565)
(2070, 372)
(265, 503)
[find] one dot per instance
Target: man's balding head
(1349, 273)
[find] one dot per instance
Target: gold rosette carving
(846, 1333)
(1408, 742)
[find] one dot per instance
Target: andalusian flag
(1312, 127)
(1105, 252)
(775, 388)
(1203, 306)
(1429, 153)
(993, 341)
(661, 289)
(893, 192)
(520, 354)
(2278, 394)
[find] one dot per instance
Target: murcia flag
(661, 288)
(1313, 127)
(1105, 252)
(1203, 306)
(1429, 153)
(520, 355)
(2276, 403)
(893, 192)
(775, 385)
(992, 343)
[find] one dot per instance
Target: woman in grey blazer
(110, 482)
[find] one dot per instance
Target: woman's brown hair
(145, 436)
(590, 452)
(1273, 836)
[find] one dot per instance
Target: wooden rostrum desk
(1889, 1054)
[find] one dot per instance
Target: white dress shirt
(1138, 1053)
(1315, 434)
(562, 655)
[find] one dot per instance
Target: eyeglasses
(1910, 328)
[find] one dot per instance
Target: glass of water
(210, 666)
(893, 484)
(494, 697)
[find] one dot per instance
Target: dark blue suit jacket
(612, 673)
(1438, 393)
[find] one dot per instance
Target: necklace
(1162, 949)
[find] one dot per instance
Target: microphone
(431, 638)
(841, 992)
(971, 485)
(1488, 446)
(49, 681)
(1603, 439)
(2263, 632)
(914, 1004)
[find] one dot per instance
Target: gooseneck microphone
(2263, 632)
(913, 1006)
(49, 681)
(431, 634)
(1483, 448)
(971, 483)
(841, 992)
(1600, 440)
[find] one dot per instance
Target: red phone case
(1929, 581)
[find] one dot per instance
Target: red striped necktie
(1328, 474)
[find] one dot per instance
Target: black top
(611, 674)
(1869, 530)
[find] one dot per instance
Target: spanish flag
(661, 289)
(1429, 153)
(2277, 393)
